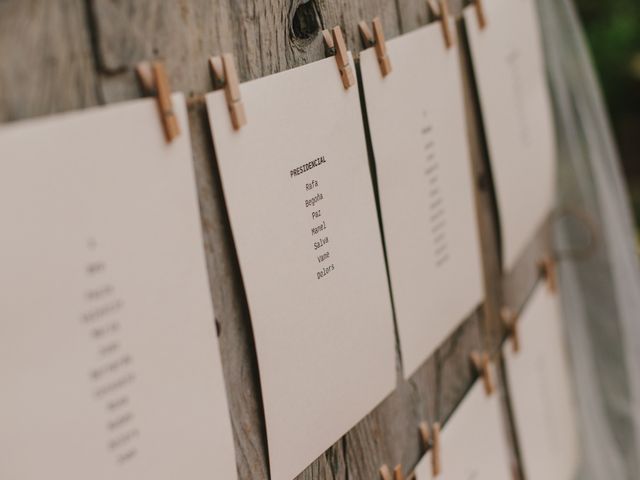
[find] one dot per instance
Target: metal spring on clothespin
(329, 47)
(154, 81)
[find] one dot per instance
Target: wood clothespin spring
(431, 440)
(376, 40)
(482, 364)
(154, 81)
(482, 18)
(441, 12)
(510, 320)
(547, 266)
(335, 45)
(223, 70)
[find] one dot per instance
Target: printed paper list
(112, 375)
(313, 202)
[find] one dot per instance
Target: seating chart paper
(423, 165)
(541, 395)
(516, 109)
(108, 352)
(473, 442)
(300, 199)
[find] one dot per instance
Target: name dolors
(325, 271)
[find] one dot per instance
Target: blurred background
(613, 32)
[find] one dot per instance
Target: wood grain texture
(46, 64)
(61, 55)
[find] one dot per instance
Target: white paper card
(108, 353)
(300, 200)
(541, 395)
(418, 131)
(510, 74)
(473, 442)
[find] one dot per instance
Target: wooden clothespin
(225, 76)
(365, 34)
(482, 364)
(510, 320)
(441, 11)
(446, 25)
(329, 47)
(385, 472)
(436, 465)
(334, 44)
(432, 5)
(376, 40)
(431, 440)
(482, 19)
(547, 267)
(425, 435)
(398, 474)
(154, 81)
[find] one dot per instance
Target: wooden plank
(47, 62)
(182, 34)
(510, 289)
(485, 200)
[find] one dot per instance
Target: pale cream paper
(418, 131)
(510, 74)
(540, 386)
(473, 442)
(108, 353)
(325, 344)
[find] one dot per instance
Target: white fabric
(601, 292)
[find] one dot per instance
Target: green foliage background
(613, 31)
